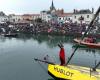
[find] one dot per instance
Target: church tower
(52, 7)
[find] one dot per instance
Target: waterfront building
(82, 16)
(21, 18)
(35, 16)
(45, 15)
(15, 18)
(49, 15)
(54, 15)
(3, 17)
(99, 18)
(30, 17)
(27, 17)
(65, 17)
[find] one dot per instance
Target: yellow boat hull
(72, 72)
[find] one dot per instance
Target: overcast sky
(35, 6)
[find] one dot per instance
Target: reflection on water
(51, 41)
(16, 55)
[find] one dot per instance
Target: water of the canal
(16, 56)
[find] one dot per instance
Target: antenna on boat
(89, 27)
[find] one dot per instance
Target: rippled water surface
(17, 56)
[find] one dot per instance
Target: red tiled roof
(31, 15)
(35, 14)
(65, 14)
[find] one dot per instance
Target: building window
(48, 16)
(13, 20)
(75, 17)
(87, 16)
(18, 19)
(59, 18)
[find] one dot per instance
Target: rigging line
(43, 67)
(44, 61)
(49, 58)
(52, 58)
(94, 69)
(72, 55)
(90, 25)
(38, 60)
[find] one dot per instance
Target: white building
(82, 16)
(3, 17)
(65, 17)
(45, 15)
(15, 18)
(35, 16)
(99, 18)
(49, 15)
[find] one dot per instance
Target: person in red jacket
(62, 54)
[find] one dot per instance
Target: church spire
(52, 6)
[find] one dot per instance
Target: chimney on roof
(62, 11)
(92, 10)
(74, 10)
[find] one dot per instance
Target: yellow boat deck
(86, 70)
(72, 72)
